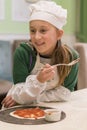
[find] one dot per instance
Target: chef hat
(48, 11)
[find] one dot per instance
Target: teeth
(39, 44)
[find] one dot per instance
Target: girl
(35, 78)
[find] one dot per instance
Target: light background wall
(70, 5)
(9, 26)
(70, 28)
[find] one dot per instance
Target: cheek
(53, 35)
(32, 39)
(53, 39)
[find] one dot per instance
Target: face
(43, 36)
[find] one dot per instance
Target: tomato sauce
(30, 113)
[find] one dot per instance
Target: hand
(8, 102)
(46, 73)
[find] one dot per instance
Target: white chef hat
(48, 11)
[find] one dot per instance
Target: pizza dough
(30, 113)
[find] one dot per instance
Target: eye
(32, 31)
(43, 30)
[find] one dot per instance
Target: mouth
(39, 44)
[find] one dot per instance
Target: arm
(26, 87)
(63, 93)
(71, 80)
(23, 62)
(21, 69)
(57, 94)
(24, 93)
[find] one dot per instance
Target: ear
(60, 34)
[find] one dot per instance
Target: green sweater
(24, 61)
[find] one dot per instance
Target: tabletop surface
(76, 115)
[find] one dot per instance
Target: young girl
(35, 78)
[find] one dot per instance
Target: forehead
(37, 23)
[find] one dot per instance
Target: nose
(37, 35)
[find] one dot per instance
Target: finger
(46, 66)
(8, 104)
(50, 76)
(6, 99)
(12, 104)
(48, 70)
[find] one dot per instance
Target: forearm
(25, 93)
(58, 94)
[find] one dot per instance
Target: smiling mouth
(40, 44)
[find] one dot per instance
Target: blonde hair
(62, 54)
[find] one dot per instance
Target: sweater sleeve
(57, 94)
(71, 80)
(27, 92)
(21, 63)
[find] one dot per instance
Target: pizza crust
(32, 115)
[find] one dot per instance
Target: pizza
(28, 113)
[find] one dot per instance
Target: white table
(76, 115)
